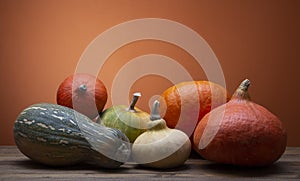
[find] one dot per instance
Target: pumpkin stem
(134, 100)
(154, 115)
(245, 85)
(242, 91)
(82, 88)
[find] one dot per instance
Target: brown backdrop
(41, 42)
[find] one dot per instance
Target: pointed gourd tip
(156, 103)
(154, 115)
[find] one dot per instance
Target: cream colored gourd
(160, 146)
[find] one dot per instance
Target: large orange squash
(240, 132)
(186, 103)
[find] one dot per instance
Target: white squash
(160, 146)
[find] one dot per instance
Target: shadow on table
(279, 168)
(176, 169)
(200, 167)
(29, 164)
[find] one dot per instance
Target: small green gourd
(129, 119)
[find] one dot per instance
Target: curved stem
(245, 85)
(134, 100)
(242, 91)
(154, 115)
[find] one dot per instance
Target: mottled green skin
(131, 123)
(56, 135)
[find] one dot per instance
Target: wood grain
(15, 166)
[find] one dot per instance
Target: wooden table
(15, 166)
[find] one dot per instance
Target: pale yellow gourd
(160, 146)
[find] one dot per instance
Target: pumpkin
(161, 147)
(240, 132)
(58, 136)
(186, 103)
(84, 93)
(129, 119)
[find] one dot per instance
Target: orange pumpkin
(240, 132)
(84, 93)
(185, 104)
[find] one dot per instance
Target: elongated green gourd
(56, 135)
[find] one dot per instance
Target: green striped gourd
(56, 135)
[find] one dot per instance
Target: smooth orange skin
(249, 135)
(171, 103)
(89, 103)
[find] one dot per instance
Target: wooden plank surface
(15, 166)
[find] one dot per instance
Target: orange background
(41, 43)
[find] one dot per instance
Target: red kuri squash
(240, 132)
(84, 93)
